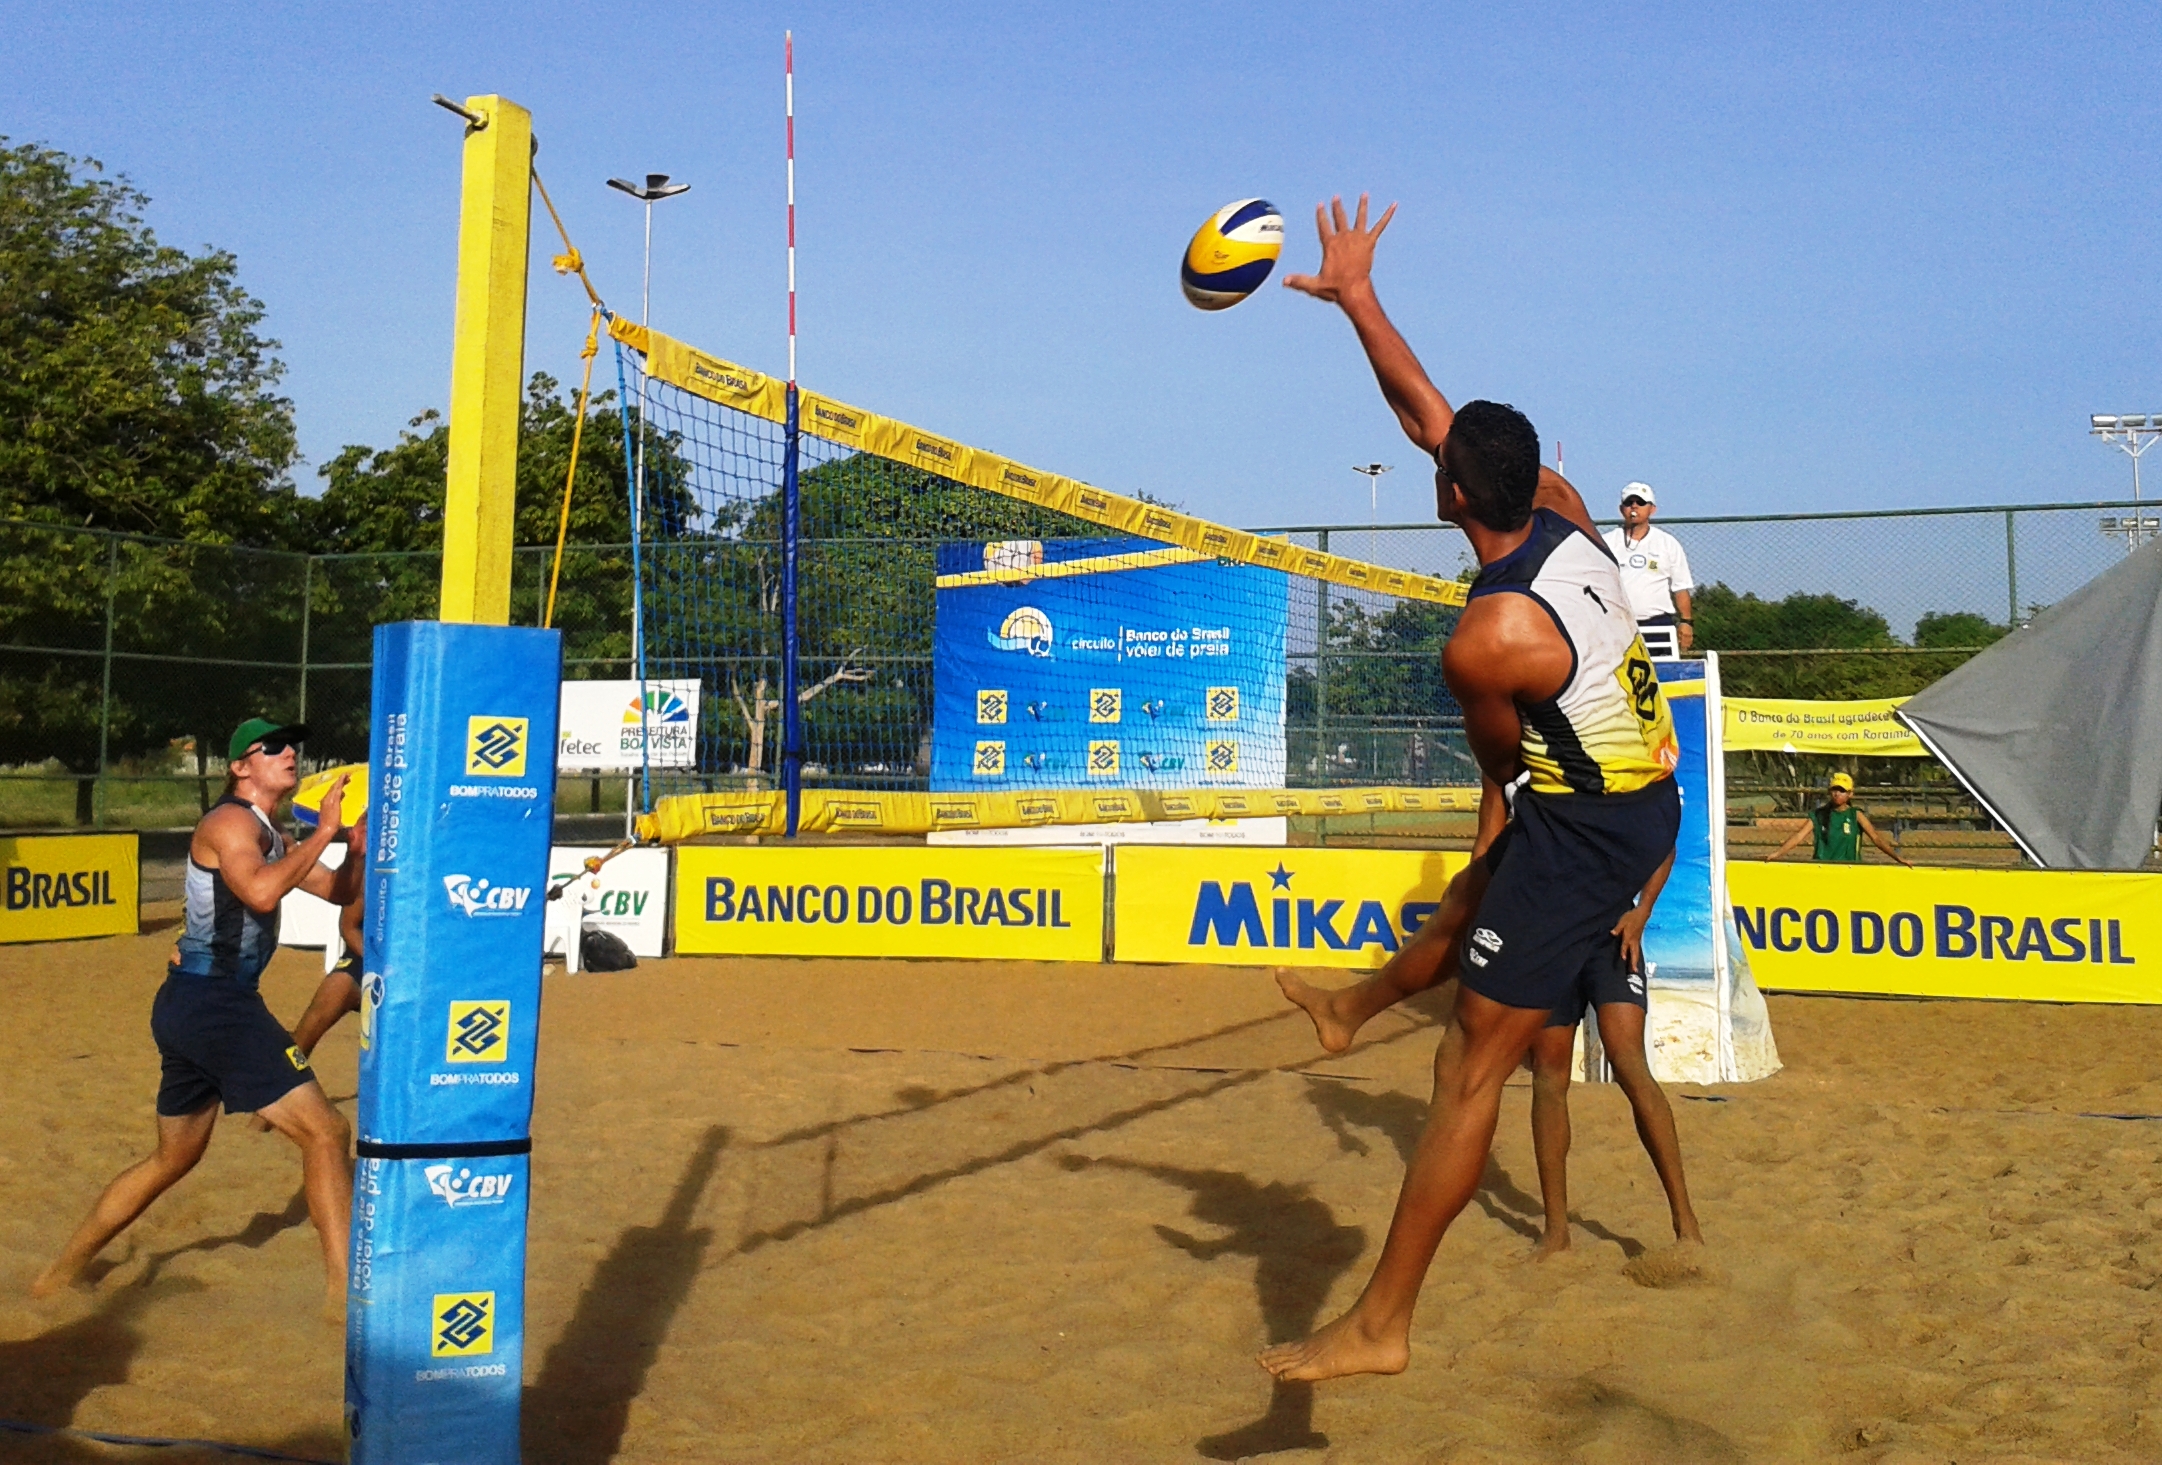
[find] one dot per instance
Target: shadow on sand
(576, 1410)
(1299, 1251)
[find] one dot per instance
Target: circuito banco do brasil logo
(1025, 629)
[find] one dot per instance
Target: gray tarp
(2057, 729)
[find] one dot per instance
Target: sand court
(901, 1211)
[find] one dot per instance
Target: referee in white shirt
(1654, 574)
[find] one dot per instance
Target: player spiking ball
(1557, 693)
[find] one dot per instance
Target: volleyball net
(889, 630)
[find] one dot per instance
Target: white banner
(599, 725)
(630, 900)
(307, 920)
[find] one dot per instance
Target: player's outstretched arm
(1347, 281)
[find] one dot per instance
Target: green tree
(1961, 628)
(135, 394)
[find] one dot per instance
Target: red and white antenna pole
(789, 60)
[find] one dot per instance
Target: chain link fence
(125, 662)
(1832, 606)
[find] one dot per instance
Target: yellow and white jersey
(1607, 731)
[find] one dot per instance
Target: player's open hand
(1630, 928)
(1347, 250)
(330, 813)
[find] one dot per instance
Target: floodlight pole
(2131, 433)
(656, 188)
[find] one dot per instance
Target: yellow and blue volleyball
(1232, 254)
(308, 798)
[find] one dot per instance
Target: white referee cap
(1639, 491)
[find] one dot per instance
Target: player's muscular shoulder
(230, 830)
(1558, 494)
(1506, 645)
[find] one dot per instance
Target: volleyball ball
(1232, 254)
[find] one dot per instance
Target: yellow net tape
(760, 395)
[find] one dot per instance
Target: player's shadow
(1400, 1117)
(44, 1378)
(261, 1227)
(1299, 1251)
(576, 1411)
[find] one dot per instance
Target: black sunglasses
(1633, 499)
(273, 746)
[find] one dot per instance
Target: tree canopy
(135, 393)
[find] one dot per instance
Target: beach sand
(911, 1211)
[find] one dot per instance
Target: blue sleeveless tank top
(220, 937)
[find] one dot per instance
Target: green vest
(1839, 833)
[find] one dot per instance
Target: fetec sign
(1022, 904)
(1308, 907)
(2036, 935)
(599, 725)
(61, 886)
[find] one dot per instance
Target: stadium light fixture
(2131, 433)
(1373, 472)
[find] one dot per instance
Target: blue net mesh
(950, 637)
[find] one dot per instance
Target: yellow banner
(763, 396)
(2033, 935)
(58, 887)
(1013, 904)
(1792, 725)
(685, 816)
(1274, 907)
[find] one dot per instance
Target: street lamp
(2131, 433)
(1373, 472)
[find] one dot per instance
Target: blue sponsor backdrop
(462, 763)
(1678, 938)
(1165, 676)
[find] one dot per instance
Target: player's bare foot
(1341, 1348)
(56, 1279)
(1552, 1242)
(1334, 1031)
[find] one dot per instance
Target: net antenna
(791, 498)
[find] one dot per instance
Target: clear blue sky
(1876, 256)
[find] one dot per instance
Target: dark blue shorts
(1564, 870)
(219, 1041)
(1604, 979)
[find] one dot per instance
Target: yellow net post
(487, 363)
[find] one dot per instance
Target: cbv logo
(461, 1187)
(622, 903)
(479, 898)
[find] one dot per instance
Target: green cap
(255, 729)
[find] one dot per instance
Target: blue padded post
(462, 782)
